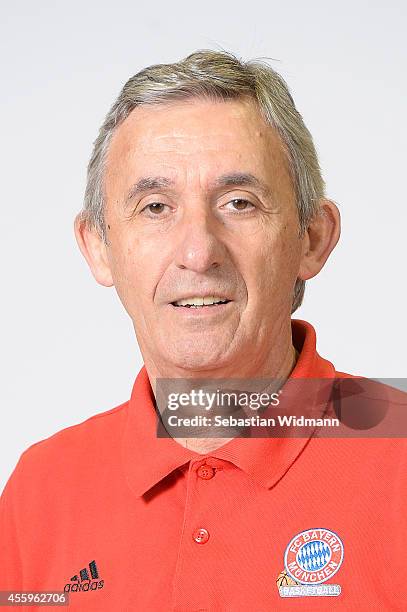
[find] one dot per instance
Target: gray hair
(217, 75)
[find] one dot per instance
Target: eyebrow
(234, 179)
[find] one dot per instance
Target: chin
(193, 357)
(196, 362)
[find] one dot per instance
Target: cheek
(273, 264)
(128, 267)
(137, 265)
(290, 248)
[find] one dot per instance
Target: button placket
(195, 529)
(205, 471)
(201, 535)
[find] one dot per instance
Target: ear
(320, 239)
(94, 251)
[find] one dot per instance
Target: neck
(275, 365)
(207, 445)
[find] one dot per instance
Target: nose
(199, 247)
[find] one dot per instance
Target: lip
(202, 311)
(201, 295)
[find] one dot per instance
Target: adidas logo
(84, 582)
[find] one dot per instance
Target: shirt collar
(147, 459)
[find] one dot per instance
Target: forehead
(195, 136)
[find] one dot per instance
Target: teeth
(199, 301)
(211, 300)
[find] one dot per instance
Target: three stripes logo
(84, 582)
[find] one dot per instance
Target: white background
(67, 346)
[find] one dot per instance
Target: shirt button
(205, 471)
(201, 535)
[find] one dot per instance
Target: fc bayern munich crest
(313, 556)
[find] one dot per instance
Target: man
(205, 209)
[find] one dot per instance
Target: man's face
(202, 232)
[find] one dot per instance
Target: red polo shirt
(123, 520)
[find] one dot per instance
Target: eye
(242, 205)
(155, 208)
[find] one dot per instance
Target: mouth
(201, 302)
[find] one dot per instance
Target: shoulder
(380, 389)
(373, 409)
(70, 451)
